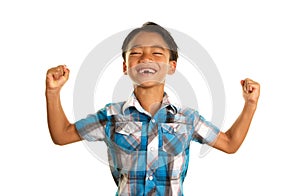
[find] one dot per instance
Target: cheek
(131, 62)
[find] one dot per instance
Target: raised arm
(231, 140)
(61, 130)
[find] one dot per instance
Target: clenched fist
(56, 78)
(251, 90)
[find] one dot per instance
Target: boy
(147, 136)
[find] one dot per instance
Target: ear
(124, 68)
(172, 67)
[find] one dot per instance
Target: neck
(150, 98)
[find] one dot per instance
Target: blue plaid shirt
(148, 155)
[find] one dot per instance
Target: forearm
(238, 131)
(231, 140)
(58, 123)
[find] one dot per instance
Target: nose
(146, 57)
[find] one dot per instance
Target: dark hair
(152, 27)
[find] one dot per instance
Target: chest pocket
(175, 137)
(127, 135)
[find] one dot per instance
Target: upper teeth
(147, 70)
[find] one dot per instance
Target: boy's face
(147, 60)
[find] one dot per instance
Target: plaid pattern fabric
(148, 155)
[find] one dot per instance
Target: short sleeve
(92, 128)
(205, 132)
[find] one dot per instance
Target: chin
(148, 84)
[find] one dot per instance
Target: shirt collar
(133, 102)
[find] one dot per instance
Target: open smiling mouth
(146, 71)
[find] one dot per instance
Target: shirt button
(153, 120)
(152, 148)
(150, 177)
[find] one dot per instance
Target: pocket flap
(174, 128)
(127, 128)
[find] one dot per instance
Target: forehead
(147, 39)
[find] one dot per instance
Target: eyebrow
(153, 46)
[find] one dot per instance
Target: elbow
(231, 150)
(227, 148)
(59, 142)
(64, 137)
(232, 145)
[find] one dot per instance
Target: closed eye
(134, 53)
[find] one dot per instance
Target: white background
(258, 39)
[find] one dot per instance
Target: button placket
(152, 154)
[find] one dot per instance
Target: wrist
(250, 105)
(52, 92)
